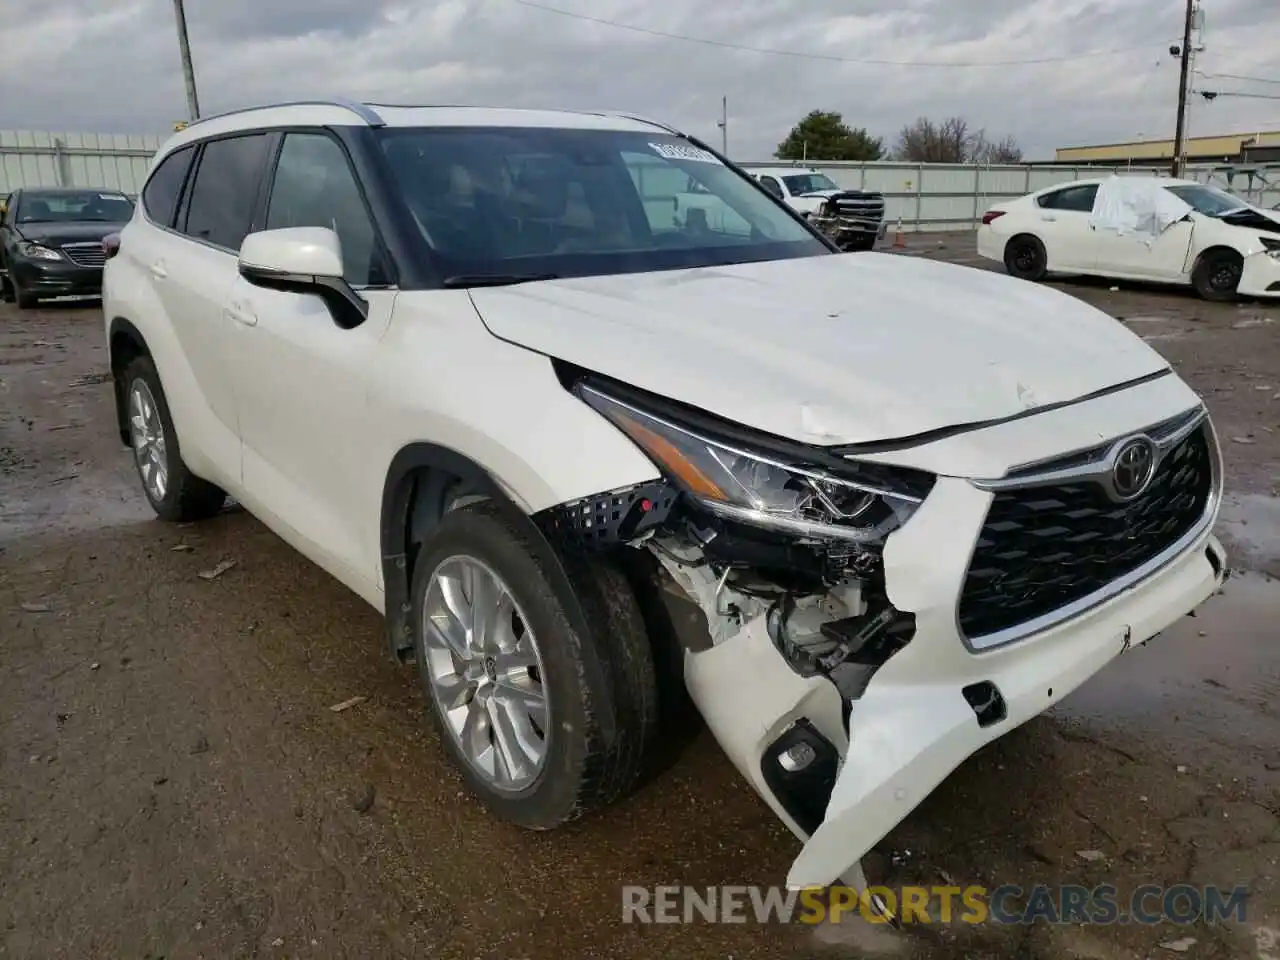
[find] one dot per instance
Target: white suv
(479, 366)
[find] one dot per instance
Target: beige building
(1253, 147)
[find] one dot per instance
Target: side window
(160, 195)
(225, 190)
(315, 187)
(772, 186)
(1080, 199)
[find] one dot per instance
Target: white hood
(821, 194)
(850, 348)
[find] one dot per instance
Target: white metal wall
(114, 161)
(928, 196)
(953, 196)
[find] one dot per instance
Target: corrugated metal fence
(925, 196)
(953, 196)
(114, 161)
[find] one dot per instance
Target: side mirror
(303, 260)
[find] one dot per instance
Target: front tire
(174, 492)
(544, 722)
(1217, 275)
(1026, 258)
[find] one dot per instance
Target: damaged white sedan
(477, 365)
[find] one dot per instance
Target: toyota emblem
(1134, 466)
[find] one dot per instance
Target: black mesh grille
(1042, 548)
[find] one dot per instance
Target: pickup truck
(854, 219)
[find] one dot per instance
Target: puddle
(1251, 524)
(1206, 690)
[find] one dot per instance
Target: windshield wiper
(495, 279)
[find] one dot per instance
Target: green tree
(823, 135)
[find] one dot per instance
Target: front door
(301, 379)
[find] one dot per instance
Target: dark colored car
(51, 240)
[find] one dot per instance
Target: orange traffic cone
(898, 239)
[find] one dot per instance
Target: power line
(1233, 76)
(1214, 94)
(804, 55)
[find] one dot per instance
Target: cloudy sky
(86, 65)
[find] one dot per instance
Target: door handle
(1049, 219)
(159, 270)
(241, 313)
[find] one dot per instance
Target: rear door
(1061, 220)
(193, 273)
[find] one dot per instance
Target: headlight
(756, 488)
(1272, 246)
(34, 251)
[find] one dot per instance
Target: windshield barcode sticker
(112, 196)
(683, 151)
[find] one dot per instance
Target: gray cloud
(80, 65)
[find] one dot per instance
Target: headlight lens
(754, 489)
(35, 251)
(1272, 246)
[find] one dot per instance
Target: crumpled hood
(850, 348)
(822, 194)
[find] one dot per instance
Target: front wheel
(1217, 274)
(547, 715)
(1025, 258)
(174, 492)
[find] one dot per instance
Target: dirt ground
(173, 782)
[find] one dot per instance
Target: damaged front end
(852, 219)
(779, 545)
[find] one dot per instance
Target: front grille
(867, 206)
(1042, 548)
(85, 254)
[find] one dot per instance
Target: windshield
(66, 206)
(809, 183)
(527, 201)
(1209, 201)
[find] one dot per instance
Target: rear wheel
(175, 493)
(1217, 274)
(1025, 258)
(545, 723)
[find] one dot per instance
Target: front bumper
(1260, 277)
(913, 724)
(56, 278)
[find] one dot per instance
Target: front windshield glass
(809, 183)
(532, 200)
(1209, 201)
(67, 206)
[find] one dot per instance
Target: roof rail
(361, 110)
(639, 119)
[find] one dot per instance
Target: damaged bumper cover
(859, 650)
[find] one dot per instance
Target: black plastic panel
(606, 520)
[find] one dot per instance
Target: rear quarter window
(160, 195)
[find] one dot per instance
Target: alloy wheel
(485, 672)
(146, 432)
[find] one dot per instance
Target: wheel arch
(423, 483)
(125, 343)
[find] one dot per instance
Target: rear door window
(225, 191)
(1080, 199)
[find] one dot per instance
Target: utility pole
(724, 126)
(188, 71)
(1184, 77)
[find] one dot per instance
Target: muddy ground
(174, 784)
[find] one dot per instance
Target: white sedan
(1139, 228)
